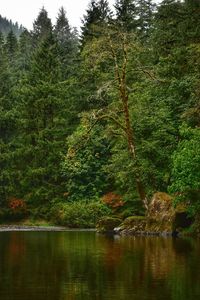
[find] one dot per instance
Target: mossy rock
(164, 218)
(159, 226)
(107, 224)
(132, 225)
(133, 221)
(161, 214)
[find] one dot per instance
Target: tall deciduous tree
(115, 47)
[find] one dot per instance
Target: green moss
(133, 220)
(108, 224)
(134, 224)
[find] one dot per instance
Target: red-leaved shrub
(16, 204)
(113, 200)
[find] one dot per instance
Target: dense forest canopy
(7, 25)
(112, 113)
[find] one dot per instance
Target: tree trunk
(131, 146)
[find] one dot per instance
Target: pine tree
(11, 45)
(98, 13)
(25, 50)
(62, 28)
(44, 115)
(126, 13)
(1, 42)
(42, 27)
(8, 114)
(191, 21)
(168, 21)
(6, 26)
(145, 15)
(68, 44)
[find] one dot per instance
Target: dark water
(86, 266)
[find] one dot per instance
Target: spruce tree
(44, 125)
(67, 40)
(11, 46)
(25, 50)
(1, 42)
(8, 115)
(62, 28)
(98, 14)
(126, 13)
(145, 16)
(42, 27)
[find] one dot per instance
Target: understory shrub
(15, 210)
(79, 214)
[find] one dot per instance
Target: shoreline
(10, 228)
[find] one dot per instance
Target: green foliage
(67, 40)
(87, 155)
(42, 27)
(7, 25)
(185, 170)
(98, 13)
(126, 14)
(80, 119)
(80, 214)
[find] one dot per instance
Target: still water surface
(86, 266)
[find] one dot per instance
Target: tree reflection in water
(86, 266)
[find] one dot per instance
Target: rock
(134, 225)
(163, 218)
(107, 224)
(117, 230)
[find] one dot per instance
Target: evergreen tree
(145, 15)
(25, 50)
(98, 13)
(126, 13)
(191, 21)
(62, 28)
(68, 44)
(6, 26)
(11, 45)
(44, 121)
(8, 115)
(168, 31)
(134, 88)
(1, 42)
(42, 27)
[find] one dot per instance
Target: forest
(93, 123)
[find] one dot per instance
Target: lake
(82, 265)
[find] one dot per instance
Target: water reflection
(86, 266)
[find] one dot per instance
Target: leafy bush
(186, 171)
(78, 214)
(16, 210)
(113, 200)
(83, 166)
